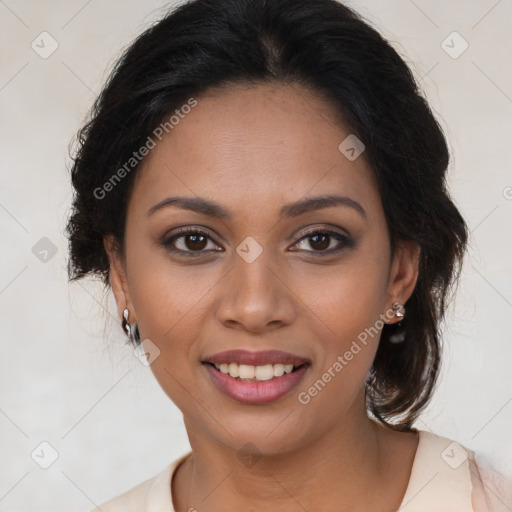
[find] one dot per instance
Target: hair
(328, 48)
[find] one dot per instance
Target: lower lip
(256, 392)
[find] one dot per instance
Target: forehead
(249, 146)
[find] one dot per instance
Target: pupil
(197, 243)
(321, 245)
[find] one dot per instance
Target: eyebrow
(211, 209)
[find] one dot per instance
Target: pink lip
(256, 392)
(256, 358)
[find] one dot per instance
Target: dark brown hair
(327, 47)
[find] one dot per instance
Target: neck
(337, 468)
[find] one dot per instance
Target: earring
(398, 309)
(132, 331)
(398, 335)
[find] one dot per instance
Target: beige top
(444, 478)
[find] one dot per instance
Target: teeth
(247, 371)
(264, 372)
(279, 370)
(234, 370)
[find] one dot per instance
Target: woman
(263, 187)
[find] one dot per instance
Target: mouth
(251, 373)
(256, 377)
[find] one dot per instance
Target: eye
(190, 240)
(194, 242)
(324, 241)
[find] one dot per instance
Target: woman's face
(246, 163)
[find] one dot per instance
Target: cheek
(167, 295)
(171, 302)
(347, 304)
(346, 298)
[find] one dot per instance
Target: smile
(249, 372)
(272, 374)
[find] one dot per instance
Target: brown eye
(319, 242)
(189, 241)
(195, 242)
(324, 241)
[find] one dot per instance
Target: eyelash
(344, 240)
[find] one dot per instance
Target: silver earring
(398, 335)
(398, 309)
(131, 330)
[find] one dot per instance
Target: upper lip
(259, 358)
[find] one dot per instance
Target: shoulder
(446, 472)
(151, 495)
(492, 491)
(131, 500)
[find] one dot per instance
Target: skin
(252, 150)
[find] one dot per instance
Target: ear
(118, 279)
(403, 274)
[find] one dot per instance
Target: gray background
(66, 376)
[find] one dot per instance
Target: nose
(255, 297)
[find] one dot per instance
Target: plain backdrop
(67, 377)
